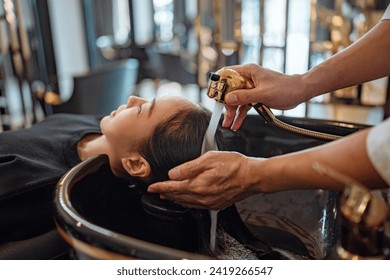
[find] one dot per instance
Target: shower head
(224, 81)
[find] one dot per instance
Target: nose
(135, 101)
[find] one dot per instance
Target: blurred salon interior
(46, 44)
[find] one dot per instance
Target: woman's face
(133, 123)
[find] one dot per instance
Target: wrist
(321, 79)
(257, 175)
(270, 175)
(308, 85)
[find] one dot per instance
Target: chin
(103, 122)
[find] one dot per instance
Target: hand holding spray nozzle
(225, 80)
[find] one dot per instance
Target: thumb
(242, 97)
(175, 173)
(185, 170)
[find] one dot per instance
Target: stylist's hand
(213, 181)
(273, 89)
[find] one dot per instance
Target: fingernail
(151, 189)
(174, 174)
(231, 99)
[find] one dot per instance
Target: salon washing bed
(101, 217)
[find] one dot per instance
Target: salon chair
(101, 90)
(27, 228)
(47, 246)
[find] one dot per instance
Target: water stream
(213, 229)
(209, 145)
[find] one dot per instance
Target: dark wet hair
(177, 140)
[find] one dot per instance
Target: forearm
(365, 60)
(295, 170)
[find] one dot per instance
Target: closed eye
(152, 103)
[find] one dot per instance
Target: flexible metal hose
(269, 117)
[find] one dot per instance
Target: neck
(91, 145)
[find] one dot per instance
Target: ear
(136, 166)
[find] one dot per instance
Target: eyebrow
(151, 106)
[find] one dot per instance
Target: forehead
(171, 104)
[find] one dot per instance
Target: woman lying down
(143, 140)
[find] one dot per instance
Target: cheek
(112, 130)
(109, 130)
(115, 125)
(124, 138)
(126, 132)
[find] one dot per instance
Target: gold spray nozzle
(223, 81)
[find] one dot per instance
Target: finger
(183, 199)
(229, 115)
(189, 201)
(188, 169)
(168, 187)
(244, 69)
(243, 96)
(186, 203)
(241, 114)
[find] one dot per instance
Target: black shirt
(31, 163)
